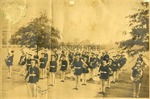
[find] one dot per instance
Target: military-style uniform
(46, 56)
(105, 57)
(85, 68)
(33, 78)
(122, 62)
(92, 63)
(104, 72)
(77, 65)
(136, 73)
(22, 60)
(43, 62)
(36, 57)
(114, 65)
(64, 65)
(28, 64)
(110, 70)
(70, 56)
(9, 60)
(53, 66)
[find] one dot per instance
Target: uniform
(36, 57)
(77, 65)
(140, 59)
(105, 57)
(9, 60)
(122, 62)
(114, 65)
(70, 56)
(46, 57)
(64, 65)
(22, 60)
(85, 68)
(53, 66)
(135, 74)
(104, 72)
(119, 63)
(28, 64)
(92, 63)
(33, 79)
(43, 62)
(110, 70)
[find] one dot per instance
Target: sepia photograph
(74, 49)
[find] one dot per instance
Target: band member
(105, 56)
(136, 78)
(114, 66)
(110, 76)
(36, 56)
(87, 56)
(85, 70)
(97, 64)
(28, 64)
(9, 63)
(70, 56)
(63, 68)
(118, 66)
(42, 61)
(92, 65)
(77, 65)
(46, 55)
(140, 58)
(32, 78)
(53, 69)
(104, 73)
(56, 55)
(22, 63)
(122, 61)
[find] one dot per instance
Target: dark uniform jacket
(9, 60)
(64, 65)
(36, 57)
(104, 72)
(22, 60)
(92, 62)
(122, 61)
(77, 65)
(35, 78)
(53, 66)
(43, 62)
(114, 65)
(70, 56)
(136, 74)
(46, 57)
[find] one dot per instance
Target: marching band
(107, 68)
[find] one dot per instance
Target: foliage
(37, 34)
(139, 23)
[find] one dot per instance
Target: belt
(63, 65)
(77, 67)
(103, 72)
(52, 66)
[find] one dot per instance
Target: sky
(100, 21)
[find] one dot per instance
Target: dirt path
(122, 88)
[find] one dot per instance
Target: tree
(139, 23)
(39, 33)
